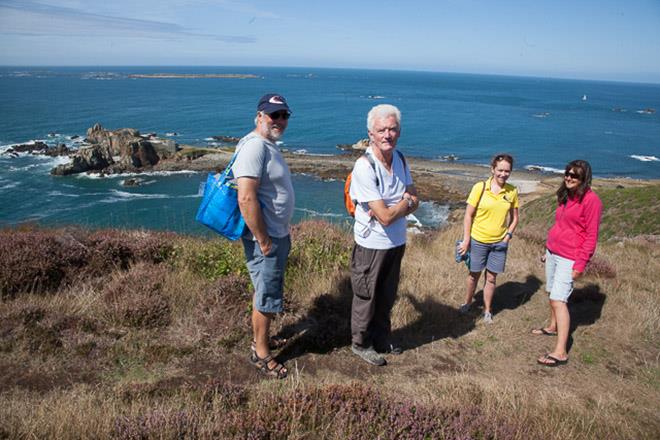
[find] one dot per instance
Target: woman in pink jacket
(571, 244)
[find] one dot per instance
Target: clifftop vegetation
(134, 334)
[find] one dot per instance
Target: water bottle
(458, 255)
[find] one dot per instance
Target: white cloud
(39, 19)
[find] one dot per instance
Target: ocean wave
(321, 214)
(125, 175)
(645, 158)
(7, 184)
(124, 196)
(24, 168)
(61, 194)
(544, 169)
(432, 214)
(305, 152)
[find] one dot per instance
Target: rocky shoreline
(125, 150)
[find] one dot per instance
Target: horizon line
(514, 75)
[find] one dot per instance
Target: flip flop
(554, 362)
(543, 332)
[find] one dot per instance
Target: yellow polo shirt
(490, 221)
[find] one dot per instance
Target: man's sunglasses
(282, 114)
(572, 175)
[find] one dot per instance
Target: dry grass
(158, 349)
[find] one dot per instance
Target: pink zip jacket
(575, 232)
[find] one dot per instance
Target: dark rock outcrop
(92, 158)
(113, 140)
(37, 147)
(133, 181)
(226, 139)
(116, 151)
(138, 154)
(60, 150)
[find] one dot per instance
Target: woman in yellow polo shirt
(490, 219)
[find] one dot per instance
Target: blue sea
(543, 122)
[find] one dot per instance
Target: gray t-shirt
(260, 158)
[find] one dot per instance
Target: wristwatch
(509, 234)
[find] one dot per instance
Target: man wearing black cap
(266, 201)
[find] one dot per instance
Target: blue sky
(591, 39)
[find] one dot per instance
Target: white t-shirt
(260, 158)
(367, 231)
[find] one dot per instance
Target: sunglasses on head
(282, 114)
(572, 175)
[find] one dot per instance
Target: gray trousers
(375, 281)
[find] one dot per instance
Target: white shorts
(558, 276)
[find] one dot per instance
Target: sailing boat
(584, 97)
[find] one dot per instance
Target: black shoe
(389, 349)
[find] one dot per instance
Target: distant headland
(193, 75)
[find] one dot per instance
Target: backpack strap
(373, 165)
(483, 189)
(403, 159)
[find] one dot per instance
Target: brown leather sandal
(274, 343)
(278, 370)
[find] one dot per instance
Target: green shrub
(211, 259)
(318, 247)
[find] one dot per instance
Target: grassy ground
(129, 334)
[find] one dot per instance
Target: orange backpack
(350, 203)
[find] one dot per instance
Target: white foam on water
(96, 175)
(7, 184)
(124, 196)
(544, 169)
(51, 161)
(25, 168)
(320, 214)
(644, 158)
(61, 194)
(432, 214)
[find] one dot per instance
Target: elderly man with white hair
(383, 189)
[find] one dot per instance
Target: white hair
(383, 111)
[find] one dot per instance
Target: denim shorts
(558, 276)
(267, 273)
(491, 256)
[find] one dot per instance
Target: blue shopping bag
(219, 208)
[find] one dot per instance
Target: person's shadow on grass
(510, 295)
(435, 321)
(325, 327)
(585, 306)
